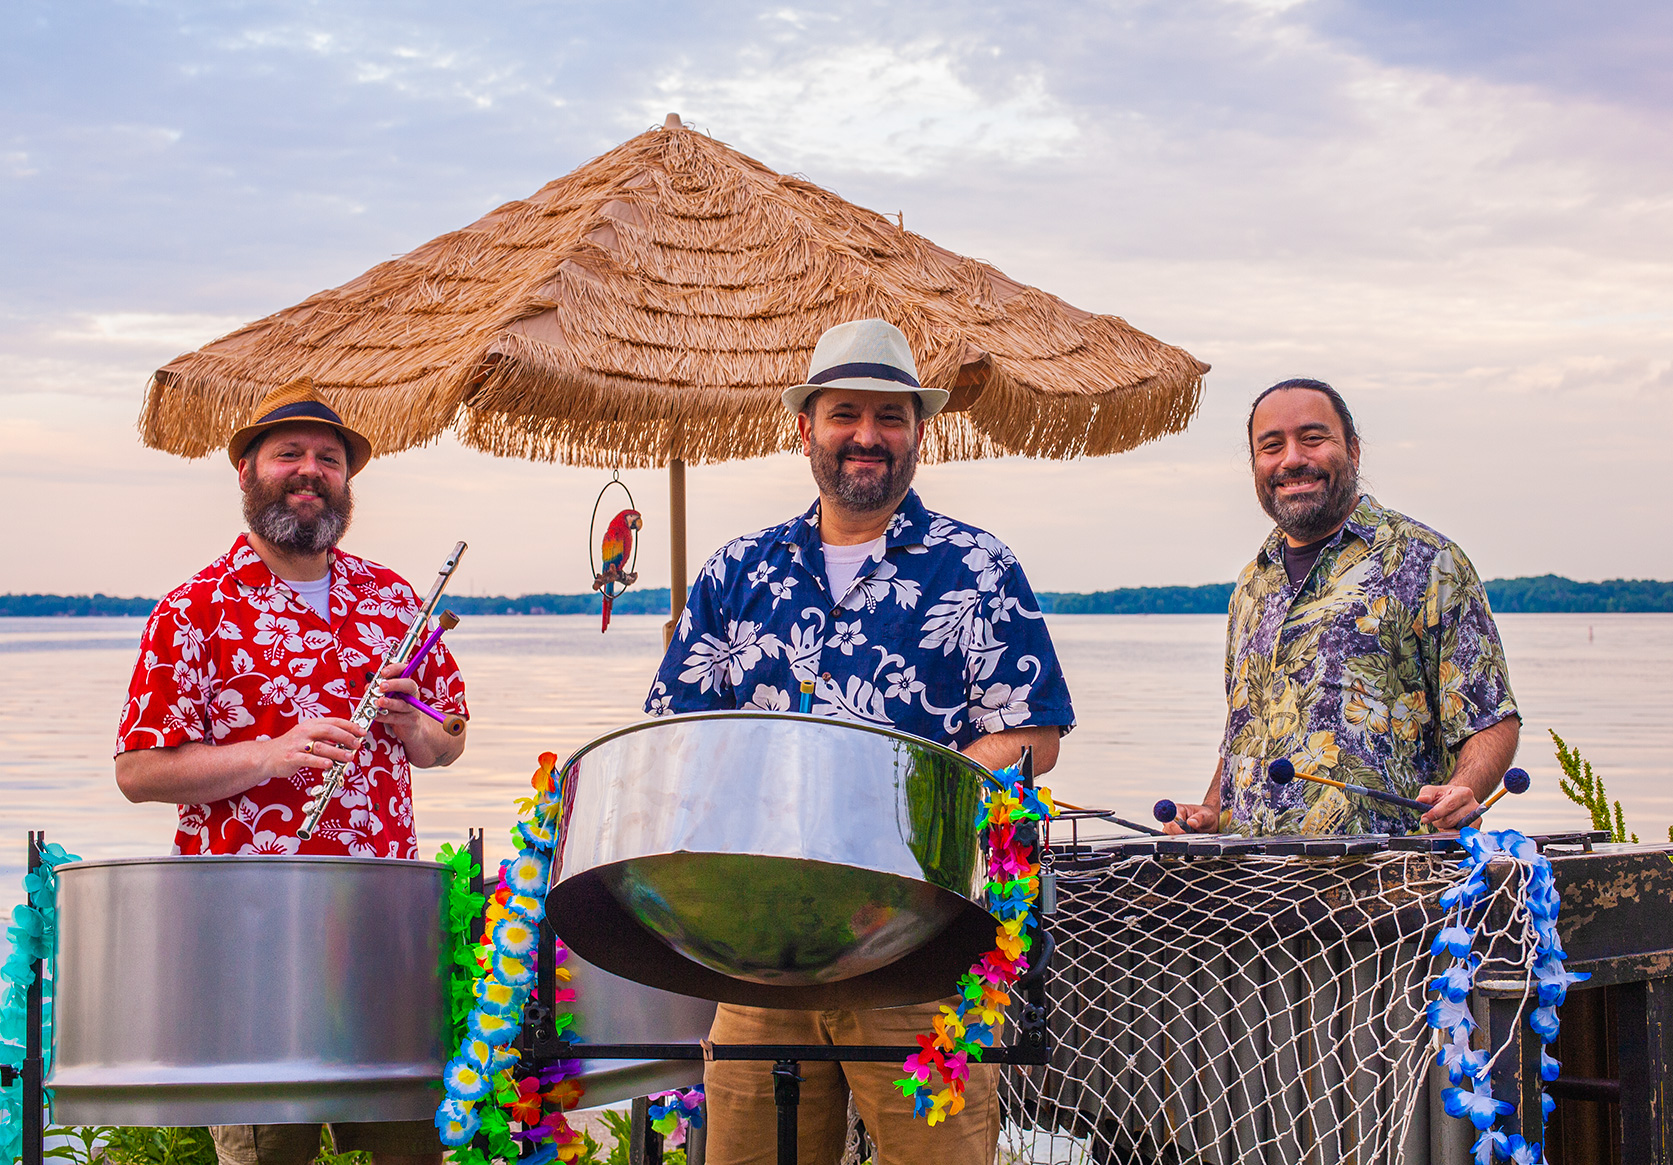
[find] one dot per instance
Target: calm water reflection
(1147, 690)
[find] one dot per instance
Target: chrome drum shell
(248, 990)
(773, 859)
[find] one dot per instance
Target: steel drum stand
(30, 1072)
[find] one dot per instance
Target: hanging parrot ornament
(614, 555)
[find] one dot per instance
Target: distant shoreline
(1544, 594)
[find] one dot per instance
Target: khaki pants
(299, 1144)
(743, 1121)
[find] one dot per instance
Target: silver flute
(366, 711)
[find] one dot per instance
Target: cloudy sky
(1457, 212)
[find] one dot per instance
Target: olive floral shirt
(1373, 671)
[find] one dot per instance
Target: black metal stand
(787, 1096)
(30, 1072)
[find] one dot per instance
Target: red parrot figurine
(614, 555)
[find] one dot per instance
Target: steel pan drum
(773, 859)
(248, 990)
(612, 1010)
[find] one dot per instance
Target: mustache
(1304, 473)
(855, 449)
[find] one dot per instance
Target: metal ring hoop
(592, 532)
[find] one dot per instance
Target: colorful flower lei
(1010, 813)
(673, 1114)
(492, 982)
(1449, 1012)
(33, 935)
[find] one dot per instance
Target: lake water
(1147, 691)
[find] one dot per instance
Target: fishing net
(1251, 1008)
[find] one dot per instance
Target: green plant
(328, 1154)
(142, 1146)
(620, 1122)
(1585, 788)
(88, 1147)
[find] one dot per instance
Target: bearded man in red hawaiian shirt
(246, 680)
(248, 673)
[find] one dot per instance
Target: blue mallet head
(1281, 771)
(1166, 811)
(1517, 781)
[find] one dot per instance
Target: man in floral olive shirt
(891, 615)
(1359, 646)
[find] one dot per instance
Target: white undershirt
(316, 593)
(844, 563)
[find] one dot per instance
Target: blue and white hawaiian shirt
(942, 638)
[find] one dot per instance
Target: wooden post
(676, 548)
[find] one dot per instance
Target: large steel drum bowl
(773, 859)
(249, 990)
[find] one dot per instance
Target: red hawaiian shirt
(235, 655)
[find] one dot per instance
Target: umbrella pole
(676, 548)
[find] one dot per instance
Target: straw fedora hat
(297, 401)
(872, 355)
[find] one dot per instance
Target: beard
(269, 514)
(867, 494)
(1308, 519)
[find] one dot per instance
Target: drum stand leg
(30, 1072)
(787, 1095)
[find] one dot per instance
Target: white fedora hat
(871, 355)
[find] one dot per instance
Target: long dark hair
(1350, 434)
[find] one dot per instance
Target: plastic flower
(1455, 982)
(495, 1029)
(502, 999)
(457, 1122)
(1544, 1022)
(512, 970)
(1450, 1016)
(1523, 849)
(515, 937)
(1480, 846)
(1480, 1106)
(1465, 893)
(1554, 980)
(529, 1106)
(1455, 940)
(565, 1094)
(526, 873)
(1491, 1145)
(534, 835)
(1549, 1066)
(529, 907)
(1461, 1061)
(464, 1080)
(1520, 1152)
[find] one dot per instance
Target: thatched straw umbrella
(647, 310)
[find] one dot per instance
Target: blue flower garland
(33, 935)
(480, 1080)
(1469, 1069)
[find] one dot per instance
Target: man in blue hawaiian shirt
(1359, 646)
(891, 615)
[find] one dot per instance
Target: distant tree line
(1545, 594)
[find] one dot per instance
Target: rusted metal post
(1646, 1056)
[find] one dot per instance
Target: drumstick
(1516, 781)
(1167, 811)
(1062, 804)
(1283, 772)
